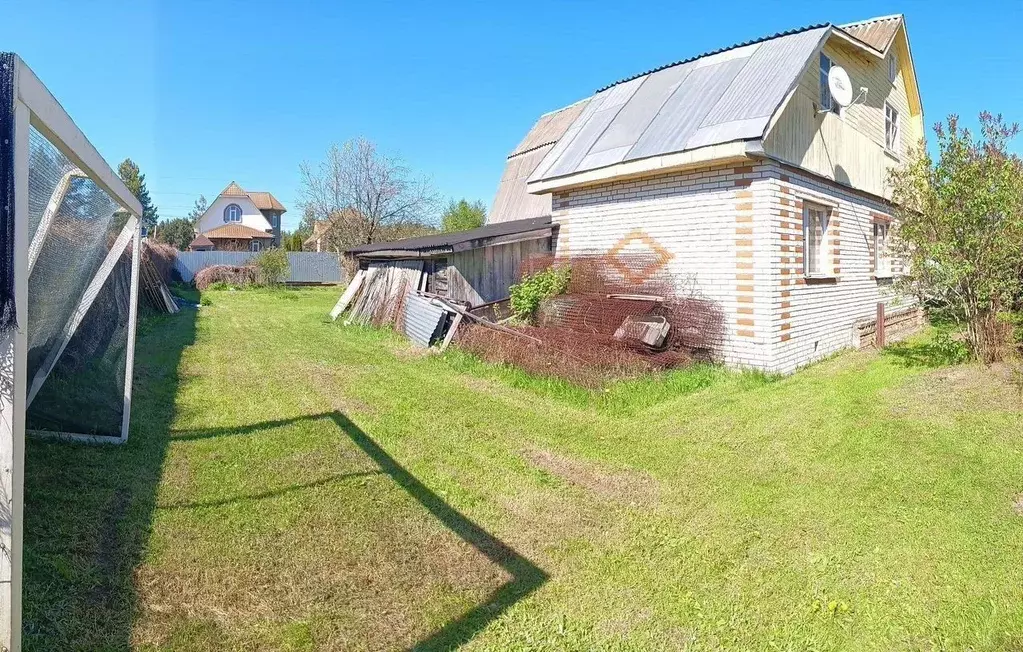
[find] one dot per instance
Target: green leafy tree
(959, 226)
(178, 232)
(136, 182)
(461, 215)
(197, 210)
(292, 240)
(272, 266)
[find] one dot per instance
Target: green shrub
(527, 294)
(272, 266)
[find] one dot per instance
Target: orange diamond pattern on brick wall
(626, 267)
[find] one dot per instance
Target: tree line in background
(355, 195)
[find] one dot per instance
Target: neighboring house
(741, 167)
(238, 220)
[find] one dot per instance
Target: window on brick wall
(882, 253)
(815, 236)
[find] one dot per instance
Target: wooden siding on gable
(849, 148)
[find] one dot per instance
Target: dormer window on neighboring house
(233, 213)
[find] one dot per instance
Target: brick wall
(736, 232)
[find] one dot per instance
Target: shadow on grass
(526, 576)
(88, 509)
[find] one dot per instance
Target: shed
(475, 266)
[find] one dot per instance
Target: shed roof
(715, 98)
(446, 242)
(200, 241)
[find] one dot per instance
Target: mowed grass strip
(295, 484)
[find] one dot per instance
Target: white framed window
(827, 104)
(891, 128)
(815, 237)
(882, 253)
(233, 213)
(893, 67)
(255, 245)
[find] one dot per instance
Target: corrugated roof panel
(764, 81)
(637, 115)
(686, 109)
(595, 118)
(550, 127)
(512, 202)
(875, 32)
(727, 132)
(422, 319)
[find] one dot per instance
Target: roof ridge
(872, 20)
(798, 30)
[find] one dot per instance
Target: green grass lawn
(292, 484)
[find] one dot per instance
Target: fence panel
(306, 266)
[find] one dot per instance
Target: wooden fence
(306, 266)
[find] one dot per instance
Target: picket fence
(306, 266)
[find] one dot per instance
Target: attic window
(233, 213)
(891, 128)
(893, 67)
(826, 102)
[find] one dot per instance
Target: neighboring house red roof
(237, 232)
(264, 201)
(200, 241)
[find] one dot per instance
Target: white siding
(214, 215)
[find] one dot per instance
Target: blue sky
(202, 93)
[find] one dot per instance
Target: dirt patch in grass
(626, 488)
(953, 391)
(1017, 504)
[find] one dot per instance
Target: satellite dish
(840, 86)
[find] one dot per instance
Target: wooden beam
(90, 294)
(133, 314)
(349, 293)
(56, 199)
(52, 121)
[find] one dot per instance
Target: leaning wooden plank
(483, 322)
(348, 294)
(455, 323)
(90, 294)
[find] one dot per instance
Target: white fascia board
(51, 120)
(711, 154)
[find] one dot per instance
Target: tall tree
(461, 215)
(136, 182)
(197, 210)
(364, 194)
(959, 225)
(178, 232)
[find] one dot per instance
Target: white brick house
(741, 166)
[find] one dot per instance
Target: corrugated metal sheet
(718, 98)
(876, 32)
(550, 127)
(306, 267)
(422, 319)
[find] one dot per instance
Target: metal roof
(716, 98)
(512, 201)
(422, 319)
(875, 32)
(446, 241)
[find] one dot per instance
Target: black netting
(8, 319)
